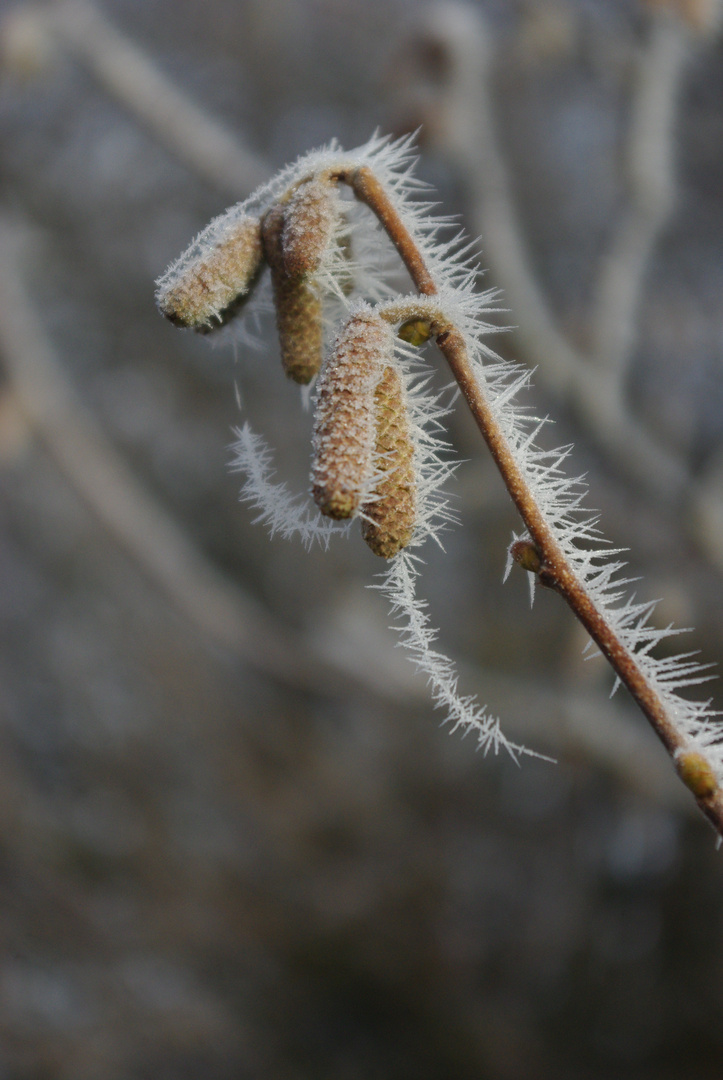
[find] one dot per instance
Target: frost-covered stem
(557, 573)
(367, 188)
(556, 570)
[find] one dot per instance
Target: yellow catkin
(208, 292)
(696, 773)
(310, 220)
(345, 421)
(298, 308)
(390, 517)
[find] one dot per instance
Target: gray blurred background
(234, 841)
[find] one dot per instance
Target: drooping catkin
(345, 420)
(311, 218)
(298, 307)
(390, 517)
(206, 291)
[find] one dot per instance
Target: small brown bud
(298, 307)
(526, 555)
(205, 291)
(696, 773)
(310, 220)
(391, 516)
(344, 425)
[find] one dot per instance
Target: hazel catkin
(345, 420)
(298, 307)
(310, 221)
(389, 517)
(206, 287)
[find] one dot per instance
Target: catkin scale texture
(207, 292)
(298, 307)
(389, 518)
(310, 220)
(345, 419)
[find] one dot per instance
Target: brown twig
(555, 568)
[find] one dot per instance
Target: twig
(555, 569)
(213, 602)
(66, 448)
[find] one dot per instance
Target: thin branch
(556, 570)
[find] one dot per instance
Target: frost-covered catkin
(310, 220)
(204, 291)
(298, 307)
(345, 420)
(389, 518)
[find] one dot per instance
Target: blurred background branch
(131, 77)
